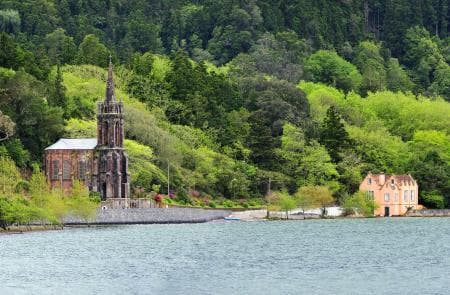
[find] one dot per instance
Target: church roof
(74, 144)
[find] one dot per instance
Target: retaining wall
(429, 213)
(150, 215)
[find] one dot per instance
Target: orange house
(394, 194)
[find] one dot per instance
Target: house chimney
(382, 178)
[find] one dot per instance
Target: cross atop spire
(110, 95)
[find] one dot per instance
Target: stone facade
(113, 176)
(101, 163)
(394, 194)
(62, 166)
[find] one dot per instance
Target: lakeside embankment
(150, 215)
(131, 216)
(428, 213)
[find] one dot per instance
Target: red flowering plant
(159, 198)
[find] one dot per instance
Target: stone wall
(150, 215)
(429, 213)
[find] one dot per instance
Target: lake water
(369, 256)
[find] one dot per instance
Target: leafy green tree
(308, 164)
(304, 199)
(9, 176)
(316, 196)
(79, 204)
(92, 51)
(142, 64)
(286, 203)
(422, 55)
(328, 67)
(58, 93)
(359, 203)
(432, 200)
(380, 150)
(37, 124)
(370, 63)
(7, 127)
(441, 83)
(333, 134)
(60, 48)
(142, 35)
(9, 21)
(8, 52)
(237, 31)
(397, 78)
(17, 152)
(432, 174)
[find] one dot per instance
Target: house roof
(74, 144)
(402, 179)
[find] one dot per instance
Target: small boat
(231, 218)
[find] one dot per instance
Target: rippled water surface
(370, 256)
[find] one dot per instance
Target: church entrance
(103, 191)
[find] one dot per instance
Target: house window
(55, 169)
(405, 196)
(412, 196)
(66, 170)
(81, 170)
(392, 182)
(369, 180)
(386, 197)
(370, 195)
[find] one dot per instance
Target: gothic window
(115, 162)
(81, 170)
(103, 164)
(55, 169)
(105, 133)
(118, 135)
(66, 170)
(405, 196)
(386, 197)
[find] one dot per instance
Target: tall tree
(333, 134)
(92, 51)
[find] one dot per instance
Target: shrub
(433, 200)
(228, 204)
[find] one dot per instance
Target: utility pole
(168, 179)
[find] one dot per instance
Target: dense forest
(236, 97)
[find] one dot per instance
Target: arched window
(115, 162)
(105, 133)
(81, 170)
(55, 169)
(67, 169)
(118, 135)
(103, 164)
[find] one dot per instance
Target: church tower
(112, 177)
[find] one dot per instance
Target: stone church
(101, 163)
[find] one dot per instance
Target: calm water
(372, 256)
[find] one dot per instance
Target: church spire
(110, 95)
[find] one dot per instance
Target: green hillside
(234, 95)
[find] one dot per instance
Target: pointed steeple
(110, 95)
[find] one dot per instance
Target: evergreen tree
(58, 94)
(333, 134)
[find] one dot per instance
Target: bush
(359, 203)
(433, 200)
(228, 204)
